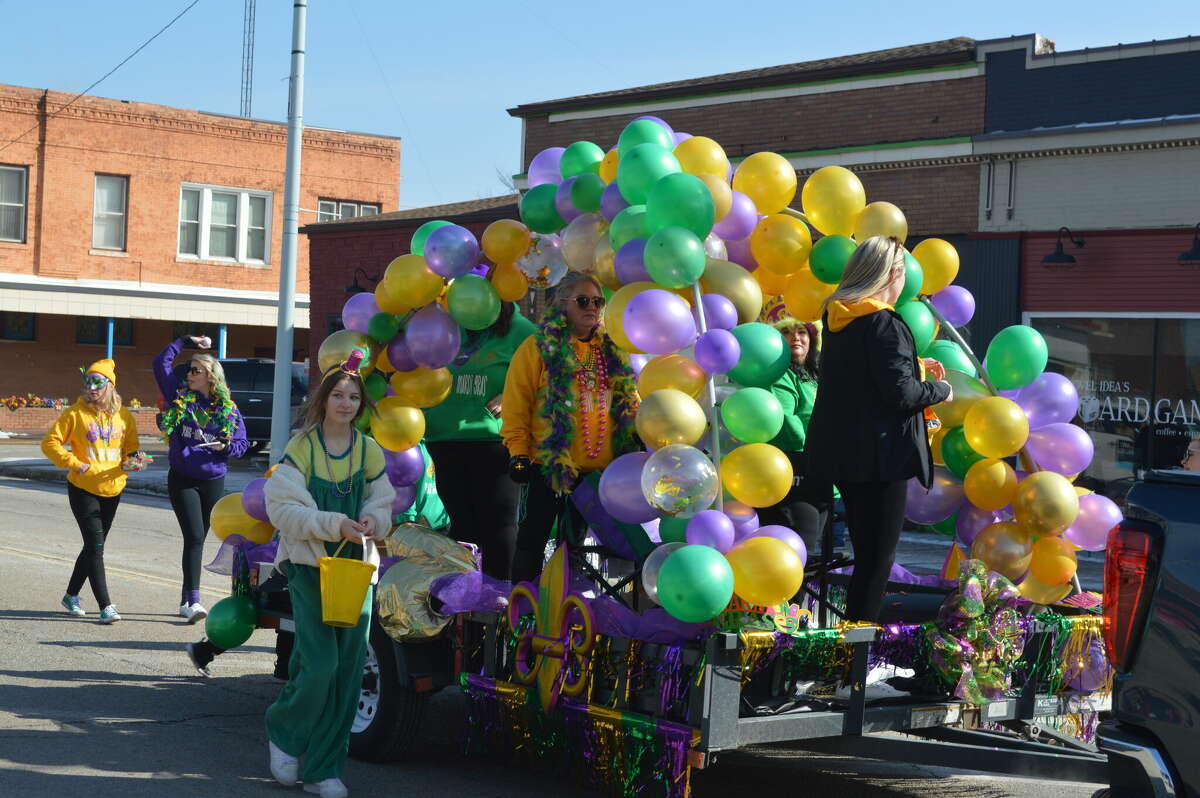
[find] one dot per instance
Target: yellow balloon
(935, 444)
(996, 427)
(604, 264)
(422, 387)
(939, 262)
(389, 303)
(230, 518)
(833, 197)
(411, 281)
(337, 347)
(766, 571)
(967, 391)
(669, 416)
(757, 474)
(608, 166)
(768, 180)
(1081, 492)
(672, 371)
(615, 310)
(735, 284)
(880, 219)
(396, 426)
(505, 241)
(804, 295)
(382, 364)
(510, 282)
(700, 155)
(781, 243)
(1005, 548)
(721, 193)
(1053, 561)
(990, 484)
(1045, 504)
(1041, 593)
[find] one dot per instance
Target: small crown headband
(350, 366)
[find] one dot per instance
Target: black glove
(520, 469)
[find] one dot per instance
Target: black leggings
(542, 507)
(193, 500)
(875, 516)
(805, 509)
(482, 502)
(94, 514)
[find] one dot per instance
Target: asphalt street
(118, 711)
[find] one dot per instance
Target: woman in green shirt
(462, 434)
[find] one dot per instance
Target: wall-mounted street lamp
(355, 287)
(1058, 257)
(1192, 256)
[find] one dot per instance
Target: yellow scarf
(842, 313)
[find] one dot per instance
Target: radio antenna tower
(247, 58)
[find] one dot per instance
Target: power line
(141, 47)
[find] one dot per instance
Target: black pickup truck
(1152, 632)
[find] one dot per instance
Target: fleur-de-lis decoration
(556, 652)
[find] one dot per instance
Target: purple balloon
(739, 252)
(971, 521)
(788, 536)
(405, 496)
(544, 167)
(398, 354)
(659, 322)
(956, 304)
(1097, 515)
(740, 221)
(1050, 399)
(628, 263)
(404, 468)
(717, 351)
(562, 201)
(638, 362)
(621, 489)
(451, 251)
(1088, 672)
(680, 137)
(744, 518)
(358, 311)
(1063, 448)
(611, 201)
(662, 122)
(711, 528)
(719, 313)
(941, 501)
(433, 337)
(481, 269)
(254, 499)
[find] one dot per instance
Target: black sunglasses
(582, 301)
(194, 370)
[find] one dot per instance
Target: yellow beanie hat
(105, 368)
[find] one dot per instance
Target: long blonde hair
(868, 270)
(109, 402)
(216, 375)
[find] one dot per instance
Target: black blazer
(867, 424)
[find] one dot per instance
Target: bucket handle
(365, 541)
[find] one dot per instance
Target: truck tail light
(1130, 572)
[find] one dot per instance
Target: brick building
(123, 224)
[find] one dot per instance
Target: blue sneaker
(109, 615)
(71, 605)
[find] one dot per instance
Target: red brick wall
(938, 200)
(35, 421)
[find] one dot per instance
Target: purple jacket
(184, 457)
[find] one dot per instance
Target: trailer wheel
(389, 714)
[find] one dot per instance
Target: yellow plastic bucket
(344, 585)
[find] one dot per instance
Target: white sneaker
(195, 613)
(183, 610)
(284, 767)
(329, 788)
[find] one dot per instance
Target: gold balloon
(1041, 593)
(768, 180)
(402, 596)
(735, 284)
(757, 474)
(230, 518)
(604, 264)
(1005, 548)
(385, 301)
(967, 391)
(669, 416)
(781, 243)
(990, 484)
(614, 311)
(833, 197)
(700, 155)
(1053, 561)
(1046, 503)
(505, 240)
(935, 444)
(939, 262)
(772, 284)
(337, 347)
(996, 427)
(766, 571)
(396, 426)
(672, 371)
(411, 281)
(608, 166)
(422, 387)
(721, 193)
(804, 295)
(579, 241)
(382, 364)
(510, 282)
(880, 219)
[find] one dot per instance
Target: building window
(230, 224)
(108, 214)
(17, 326)
(331, 210)
(94, 330)
(12, 203)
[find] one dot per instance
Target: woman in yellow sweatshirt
(92, 439)
(568, 406)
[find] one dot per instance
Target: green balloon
(952, 356)
(945, 527)
(643, 131)
(473, 302)
(674, 257)
(231, 621)
(695, 583)
(752, 415)
(581, 158)
(538, 211)
(1015, 357)
(641, 168)
(764, 356)
(627, 225)
(376, 385)
(680, 200)
(383, 327)
(673, 530)
(828, 258)
(914, 275)
(417, 246)
(586, 192)
(920, 323)
(362, 422)
(958, 454)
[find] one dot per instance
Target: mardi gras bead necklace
(337, 487)
(592, 381)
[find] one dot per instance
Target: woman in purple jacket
(204, 429)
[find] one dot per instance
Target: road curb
(35, 472)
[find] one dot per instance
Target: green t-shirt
(797, 397)
(478, 374)
(427, 504)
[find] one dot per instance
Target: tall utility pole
(247, 57)
(284, 333)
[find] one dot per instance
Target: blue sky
(440, 75)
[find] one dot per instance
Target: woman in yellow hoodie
(92, 439)
(568, 406)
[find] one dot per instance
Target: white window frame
(330, 210)
(124, 214)
(23, 205)
(243, 222)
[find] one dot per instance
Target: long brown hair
(313, 413)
